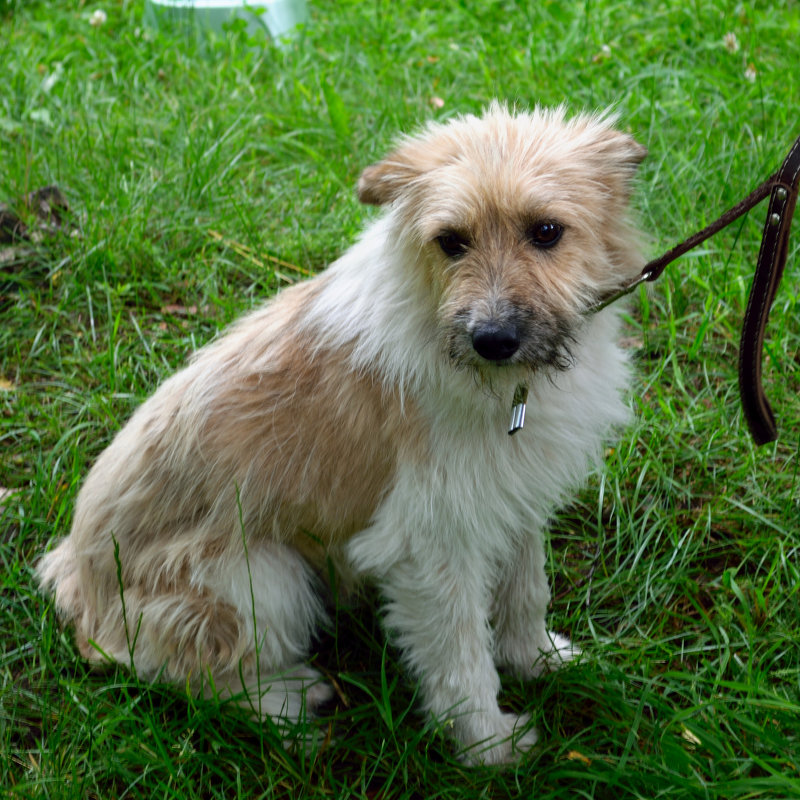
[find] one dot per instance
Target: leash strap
(769, 270)
(782, 189)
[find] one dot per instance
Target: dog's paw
(310, 688)
(288, 697)
(529, 658)
(512, 738)
(558, 651)
(318, 695)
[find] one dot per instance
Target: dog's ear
(384, 182)
(377, 184)
(628, 151)
(623, 154)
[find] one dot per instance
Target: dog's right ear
(373, 187)
(384, 182)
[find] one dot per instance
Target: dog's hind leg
(235, 624)
(273, 594)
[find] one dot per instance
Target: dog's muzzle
(495, 342)
(537, 339)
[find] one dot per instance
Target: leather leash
(782, 188)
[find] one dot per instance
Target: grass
(202, 180)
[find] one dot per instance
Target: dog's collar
(782, 188)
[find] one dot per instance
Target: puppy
(361, 418)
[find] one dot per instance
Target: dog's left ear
(624, 154)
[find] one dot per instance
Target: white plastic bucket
(277, 19)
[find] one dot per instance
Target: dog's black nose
(495, 342)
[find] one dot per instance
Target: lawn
(200, 179)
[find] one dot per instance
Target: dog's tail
(59, 574)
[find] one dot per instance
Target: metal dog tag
(518, 408)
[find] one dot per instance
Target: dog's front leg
(438, 610)
(522, 641)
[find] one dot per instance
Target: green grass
(201, 181)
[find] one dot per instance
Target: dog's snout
(495, 342)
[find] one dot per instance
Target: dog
(360, 419)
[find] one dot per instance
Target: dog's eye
(453, 244)
(544, 234)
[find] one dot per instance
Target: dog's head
(521, 222)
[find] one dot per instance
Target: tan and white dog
(361, 417)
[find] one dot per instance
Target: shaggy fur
(362, 417)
